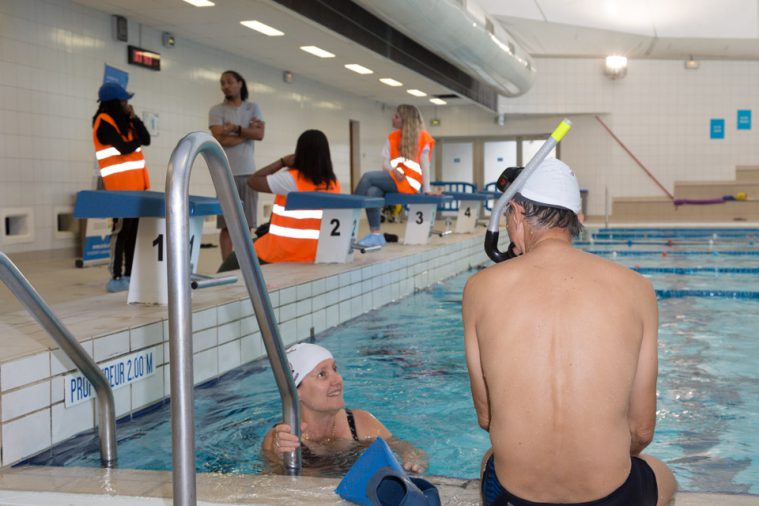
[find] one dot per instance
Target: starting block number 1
(149, 282)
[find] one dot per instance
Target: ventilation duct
(460, 32)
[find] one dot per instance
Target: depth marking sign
(119, 373)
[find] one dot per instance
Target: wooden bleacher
(661, 209)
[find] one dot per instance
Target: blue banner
(744, 119)
(717, 128)
(114, 75)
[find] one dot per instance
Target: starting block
(339, 225)
(149, 280)
(421, 213)
(469, 210)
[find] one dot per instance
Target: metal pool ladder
(180, 309)
(28, 296)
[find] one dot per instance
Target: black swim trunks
(640, 489)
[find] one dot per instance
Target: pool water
(405, 363)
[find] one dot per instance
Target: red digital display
(144, 58)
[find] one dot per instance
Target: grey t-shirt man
(241, 156)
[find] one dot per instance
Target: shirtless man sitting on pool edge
(561, 348)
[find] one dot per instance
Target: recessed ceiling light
(390, 82)
(416, 93)
(262, 28)
(438, 101)
(200, 3)
(359, 69)
(317, 51)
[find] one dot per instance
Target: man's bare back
(559, 332)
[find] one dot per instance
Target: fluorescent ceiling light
(200, 3)
(438, 101)
(390, 82)
(416, 93)
(262, 28)
(317, 51)
(358, 69)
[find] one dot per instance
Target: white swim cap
(303, 357)
(553, 184)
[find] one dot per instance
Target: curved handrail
(180, 311)
(28, 296)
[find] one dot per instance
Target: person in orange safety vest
(406, 163)
(293, 236)
(118, 135)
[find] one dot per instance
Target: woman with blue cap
(327, 426)
(118, 135)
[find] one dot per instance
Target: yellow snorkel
(491, 236)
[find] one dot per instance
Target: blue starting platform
(148, 283)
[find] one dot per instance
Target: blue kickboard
(135, 204)
(466, 196)
(415, 198)
(353, 485)
(324, 200)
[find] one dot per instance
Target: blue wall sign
(717, 128)
(114, 75)
(744, 119)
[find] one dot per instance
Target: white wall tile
(24, 371)
(251, 347)
(204, 339)
(229, 331)
(68, 422)
(228, 312)
(146, 336)
(229, 356)
(149, 390)
(205, 365)
(26, 436)
(111, 346)
(25, 400)
(204, 319)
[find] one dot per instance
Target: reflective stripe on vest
(411, 169)
(293, 234)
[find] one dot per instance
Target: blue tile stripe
(640, 253)
(695, 270)
(727, 294)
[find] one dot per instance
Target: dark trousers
(123, 251)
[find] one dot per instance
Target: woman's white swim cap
(303, 357)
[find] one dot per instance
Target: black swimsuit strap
(351, 423)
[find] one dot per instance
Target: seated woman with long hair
(290, 237)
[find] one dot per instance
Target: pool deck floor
(72, 291)
(71, 486)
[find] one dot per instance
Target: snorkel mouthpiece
(491, 236)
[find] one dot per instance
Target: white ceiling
(669, 29)
(219, 27)
(723, 29)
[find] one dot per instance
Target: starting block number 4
(338, 232)
(466, 220)
(149, 281)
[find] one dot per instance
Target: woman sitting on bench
(293, 235)
(406, 167)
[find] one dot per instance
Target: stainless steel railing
(180, 310)
(28, 296)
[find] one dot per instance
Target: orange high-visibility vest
(412, 169)
(119, 171)
(293, 235)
